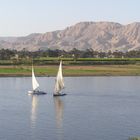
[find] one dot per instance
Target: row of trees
(6, 54)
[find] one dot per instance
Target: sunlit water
(96, 108)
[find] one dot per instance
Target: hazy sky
(22, 17)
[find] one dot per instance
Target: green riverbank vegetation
(75, 63)
(51, 70)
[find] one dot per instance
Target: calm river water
(96, 108)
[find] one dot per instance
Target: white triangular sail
(59, 83)
(35, 84)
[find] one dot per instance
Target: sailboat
(59, 82)
(35, 85)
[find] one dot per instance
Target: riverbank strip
(93, 70)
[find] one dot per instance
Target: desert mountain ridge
(99, 36)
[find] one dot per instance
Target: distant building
(15, 57)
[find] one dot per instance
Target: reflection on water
(99, 108)
(59, 108)
(34, 105)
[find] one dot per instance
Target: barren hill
(100, 36)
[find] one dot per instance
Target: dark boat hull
(55, 95)
(37, 92)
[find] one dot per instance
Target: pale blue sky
(22, 17)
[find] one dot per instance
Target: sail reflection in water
(34, 110)
(59, 108)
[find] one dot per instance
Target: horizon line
(63, 28)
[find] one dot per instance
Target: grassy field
(96, 70)
(47, 66)
(72, 61)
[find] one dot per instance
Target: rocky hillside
(100, 36)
